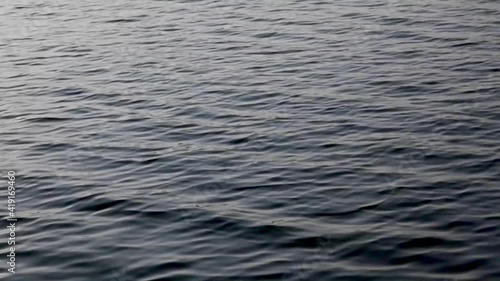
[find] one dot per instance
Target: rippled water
(252, 140)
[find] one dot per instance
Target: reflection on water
(271, 140)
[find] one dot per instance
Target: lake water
(252, 140)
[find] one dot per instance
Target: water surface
(253, 140)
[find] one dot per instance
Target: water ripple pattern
(252, 140)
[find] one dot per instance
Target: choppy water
(252, 140)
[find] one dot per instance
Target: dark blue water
(252, 140)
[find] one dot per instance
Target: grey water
(251, 140)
